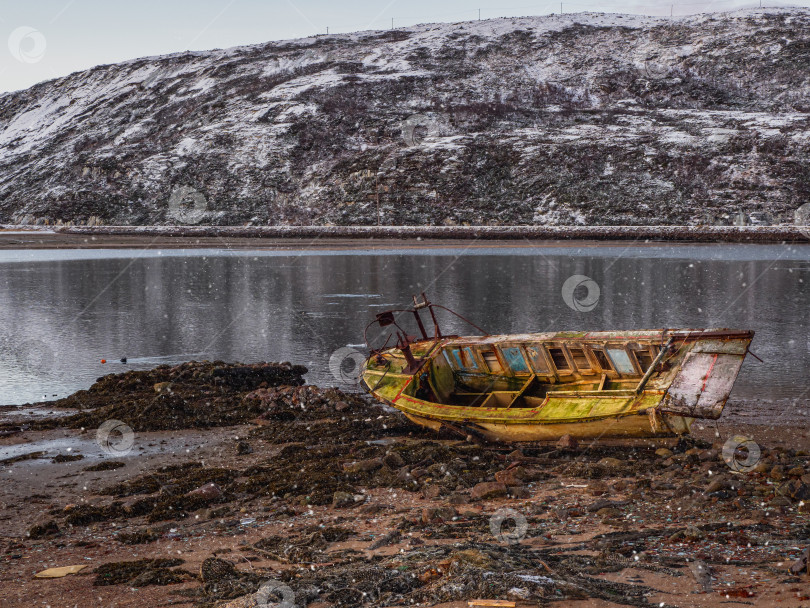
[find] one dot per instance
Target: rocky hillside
(574, 119)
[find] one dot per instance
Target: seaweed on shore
(140, 573)
(190, 395)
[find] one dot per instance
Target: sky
(50, 38)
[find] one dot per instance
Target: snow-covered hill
(574, 119)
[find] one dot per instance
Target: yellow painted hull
(589, 401)
(628, 427)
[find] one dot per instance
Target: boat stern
(706, 375)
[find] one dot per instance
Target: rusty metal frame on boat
(659, 399)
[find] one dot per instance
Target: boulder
(438, 515)
(488, 489)
(511, 477)
(567, 442)
(601, 504)
(519, 492)
(801, 565)
(363, 466)
(717, 484)
(796, 489)
(761, 467)
(459, 499)
(209, 491)
(707, 455)
(342, 499)
(609, 513)
(515, 455)
(611, 463)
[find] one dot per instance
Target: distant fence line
(555, 7)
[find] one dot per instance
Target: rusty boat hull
(539, 387)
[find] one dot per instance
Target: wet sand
(312, 482)
(749, 539)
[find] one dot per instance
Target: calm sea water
(62, 312)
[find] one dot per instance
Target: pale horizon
(56, 38)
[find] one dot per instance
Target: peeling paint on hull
(627, 427)
(539, 387)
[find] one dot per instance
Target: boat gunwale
(433, 347)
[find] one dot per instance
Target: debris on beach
(60, 572)
(341, 500)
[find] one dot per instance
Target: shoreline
(585, 520)
(349, 237)
(336, 497)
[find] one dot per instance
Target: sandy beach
(342, 502)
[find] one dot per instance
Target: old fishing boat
(541, 386)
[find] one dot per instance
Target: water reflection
(62, 312)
